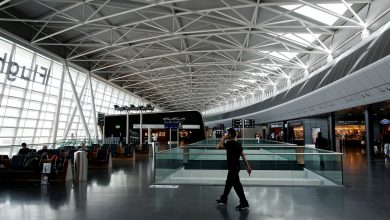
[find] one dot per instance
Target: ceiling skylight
(304, 39)
(337, 8)
(240, 85)
(271, 67)
(283, 55)
(248, 80)
(317, 14)
(257, 73)
(290, 7)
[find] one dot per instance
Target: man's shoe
(221, 202)
(242, 206)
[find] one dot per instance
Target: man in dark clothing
(25, 150)
(43, 150)
(233, 152)
(321, 143)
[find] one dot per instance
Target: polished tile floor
(124, 193)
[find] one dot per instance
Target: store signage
(173, 123)
(385, 121)
(280, 125)
(14, 71)
(295, 124)
(134, 108)
(164, 186)
(349, 122)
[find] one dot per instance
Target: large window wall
(29, 92)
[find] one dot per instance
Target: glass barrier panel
(325, 163)
(167, 163)
(272, 165)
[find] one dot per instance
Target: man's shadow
(225, 213)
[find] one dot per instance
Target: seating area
(28, 168)
(118, 151)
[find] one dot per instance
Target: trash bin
(80, 166)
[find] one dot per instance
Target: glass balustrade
(281, 164)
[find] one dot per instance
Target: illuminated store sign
(173, 123)
(14, 71)
(134, 108)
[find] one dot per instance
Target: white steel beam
(94, 115)
(104, 18)
(58, 107)
(77, 100)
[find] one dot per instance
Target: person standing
(321, 143)
(273, 136)
(257, 136)
(386, 144)
(233, 152)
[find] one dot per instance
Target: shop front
(295, 133)
(275, 131)
(350, 136)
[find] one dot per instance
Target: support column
(58, 109)
(140, 128)
(177, 137)
(243, 130)
(127, 128)
(95, 125)
(149, 135)
(369, 133)
(170, 138)
(284, 129)
(332, 131)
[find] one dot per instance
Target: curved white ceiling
(190, 55)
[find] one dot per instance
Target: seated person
(64, 155)
(44, 150)
(24, 150)
(83, 147)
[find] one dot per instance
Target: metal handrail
(248, 153)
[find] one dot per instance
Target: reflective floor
(125, 194)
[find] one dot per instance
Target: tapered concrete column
(369, 133)
(332, 131)
(284, 129)
(149, 135)
(127, 127)
(140, 128)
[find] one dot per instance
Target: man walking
(233, 152)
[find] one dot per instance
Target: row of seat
(34, 162)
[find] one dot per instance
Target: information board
(249, 123)
(237, 123)
(100, 119)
